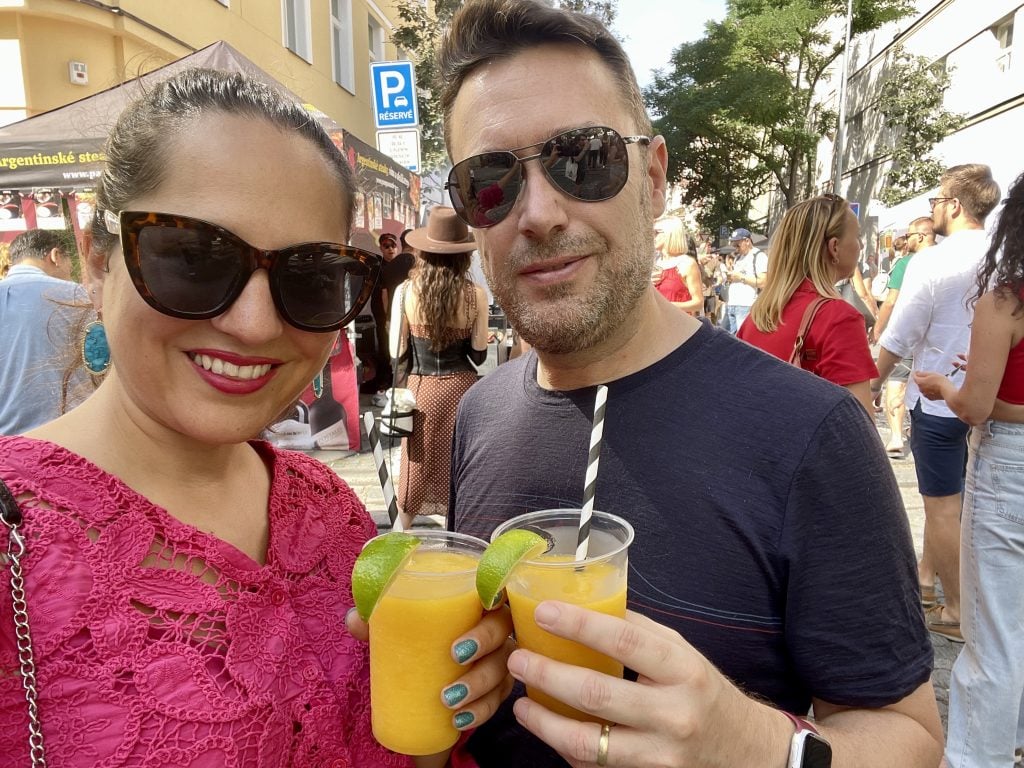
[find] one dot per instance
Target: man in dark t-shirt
(393, 273)
(772, 559)
(749, 552)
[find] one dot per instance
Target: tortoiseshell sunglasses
(195, 270)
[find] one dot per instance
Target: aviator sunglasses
(484, 188)
(195, 270)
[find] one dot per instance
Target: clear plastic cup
(597, 583)
(432, 602)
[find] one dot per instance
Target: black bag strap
(9, 509)
(11, 516)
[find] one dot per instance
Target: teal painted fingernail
(465, 650)
(453, 694)
(463, 719)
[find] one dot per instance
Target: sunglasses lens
(589, 164)
(191, 271)
(483, 188)
(321, 289)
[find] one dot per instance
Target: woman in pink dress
(186, 585)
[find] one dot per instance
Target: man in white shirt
(931, 321)
(746, 279)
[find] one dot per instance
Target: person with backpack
(745, 279)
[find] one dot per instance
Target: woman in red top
(676, 273)
(987, 684)
(816, 245)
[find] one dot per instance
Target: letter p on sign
(394, 94)
(391, 85)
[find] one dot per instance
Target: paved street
(358, 470)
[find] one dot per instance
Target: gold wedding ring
(602, 745)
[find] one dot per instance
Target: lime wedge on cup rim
(376, 568)
(500, 559)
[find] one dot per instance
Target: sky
(651, 29)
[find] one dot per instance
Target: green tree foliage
(737, 106)
(910, 99)
(605, 10)
(418, 33)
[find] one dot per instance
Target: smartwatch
(807, 749)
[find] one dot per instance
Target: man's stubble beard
(565, 322)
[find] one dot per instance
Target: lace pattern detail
(160, 645)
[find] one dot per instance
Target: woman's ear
(95, 270)
(832, 249)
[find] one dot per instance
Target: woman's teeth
(224, 368)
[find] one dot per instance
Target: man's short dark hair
(972, 184)
(35, 244)
(484, 30)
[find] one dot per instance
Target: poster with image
(359, 220)
(49, 209)
(12, 218)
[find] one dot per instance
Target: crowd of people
(188, 585)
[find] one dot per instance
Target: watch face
(817, 752)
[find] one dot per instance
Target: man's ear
(657, 172)
(54, 256)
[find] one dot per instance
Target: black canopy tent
(62, 151)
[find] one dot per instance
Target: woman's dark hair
(139, 145)
(439, 279)
(1002, 270)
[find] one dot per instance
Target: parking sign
(394, 94)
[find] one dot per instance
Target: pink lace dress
(159, 645)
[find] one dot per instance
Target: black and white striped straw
(590, 484)
(382, 470)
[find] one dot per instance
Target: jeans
(735, 314)
(986, 697)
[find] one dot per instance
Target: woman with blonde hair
(816, 245)
(676, 273)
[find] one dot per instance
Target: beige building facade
(53, 52)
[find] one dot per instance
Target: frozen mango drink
(597, 583)
(417, 590)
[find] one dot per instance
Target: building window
(375, 34)
(341, 44)
(1002, 30)
(297, 37)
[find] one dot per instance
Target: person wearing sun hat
(440, 316)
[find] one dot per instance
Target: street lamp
(837, 179)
